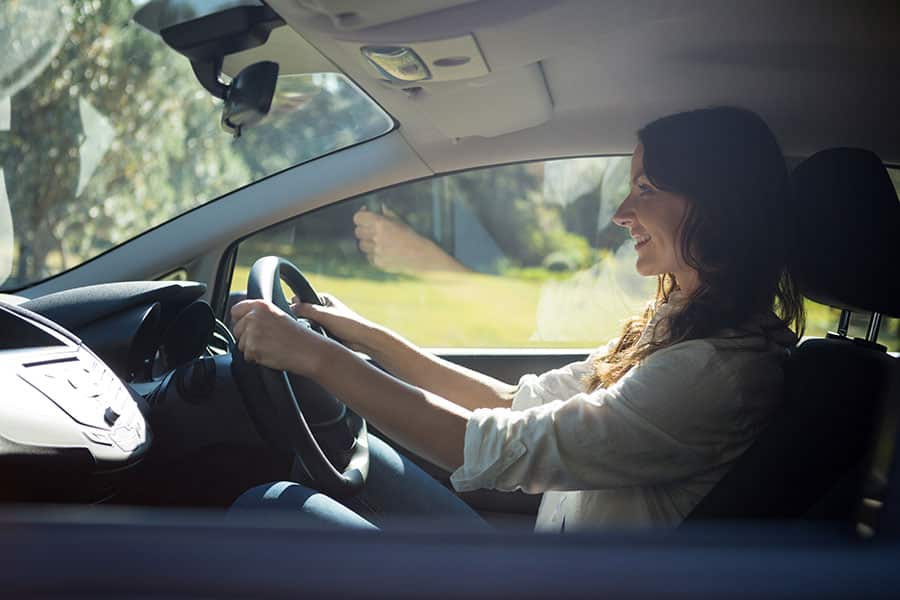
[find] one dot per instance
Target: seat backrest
(815, 450)
(815, 442)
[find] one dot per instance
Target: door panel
(509, 366)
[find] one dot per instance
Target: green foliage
(125, 76)
(114, 135)
(334, 258)
(473, 310)
(821, 319)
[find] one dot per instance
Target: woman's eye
(643, 188)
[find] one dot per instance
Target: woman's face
(653, 218)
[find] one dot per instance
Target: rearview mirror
(249, 97)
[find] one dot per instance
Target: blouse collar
(655, 328)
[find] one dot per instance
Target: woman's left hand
(270, 337)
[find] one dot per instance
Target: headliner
(583, 76)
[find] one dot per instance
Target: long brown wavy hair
(728, 165)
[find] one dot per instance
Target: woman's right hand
(338, 320)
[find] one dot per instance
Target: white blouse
(642, 452)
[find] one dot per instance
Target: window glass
(821, 319)
(514, 256)
(105, 132)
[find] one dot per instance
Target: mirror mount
(205, 31)
(207, 73)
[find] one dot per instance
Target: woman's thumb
(304, 309)
(388, 212)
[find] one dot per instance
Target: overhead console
(69, 427)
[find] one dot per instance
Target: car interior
(131, 421)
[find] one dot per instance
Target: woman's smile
(641, 240)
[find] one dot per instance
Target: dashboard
(91, 378)
(136, 327)
(65, 417)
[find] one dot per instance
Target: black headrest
(847, 247)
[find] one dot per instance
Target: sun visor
(484, 106)
(451, 81)
(293, 54)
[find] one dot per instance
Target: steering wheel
(293, 413)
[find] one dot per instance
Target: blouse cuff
(487, 452)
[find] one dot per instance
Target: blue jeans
(398, 494)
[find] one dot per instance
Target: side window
(513, 256)
(821, 319)
(507, 257)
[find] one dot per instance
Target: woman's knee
(274, 495)
(290, 496)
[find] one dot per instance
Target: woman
(642, 429)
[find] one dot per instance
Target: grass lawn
(467, 310)
(483, 311)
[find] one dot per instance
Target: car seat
(816, 459)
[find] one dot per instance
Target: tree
(115, 135)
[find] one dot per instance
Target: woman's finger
(367, 246)
(363, 218)
(364, 233)
(242, 308)
(389, 213)
(242, 344)
(295, 306)
(307, 310)
(239, 327)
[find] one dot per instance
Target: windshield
(105, 132)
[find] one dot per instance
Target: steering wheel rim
(273, 405)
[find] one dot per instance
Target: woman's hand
(338, 320)
(421, 421)
(390, 244)
(270, 337)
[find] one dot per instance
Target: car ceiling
(570, 77)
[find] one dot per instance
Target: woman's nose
(624, 216)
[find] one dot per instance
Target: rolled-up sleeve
(565, 382)
(661, 422)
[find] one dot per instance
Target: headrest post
(844, 323)
(874, 326)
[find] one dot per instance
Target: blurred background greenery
(560, 275)
(107, 132)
